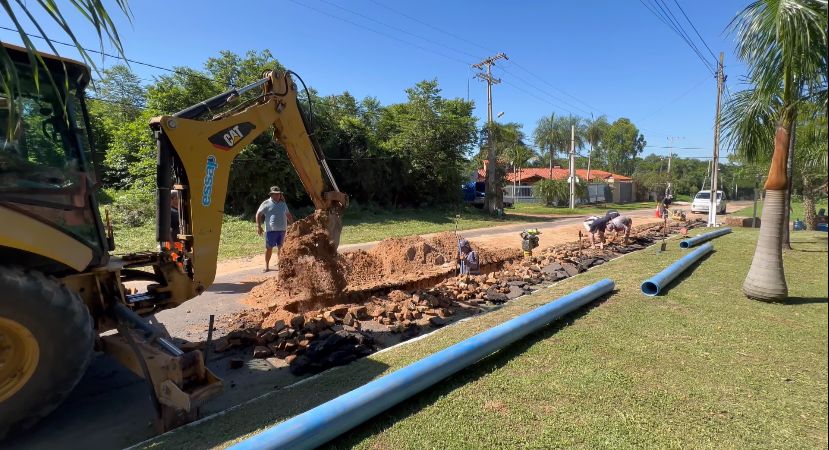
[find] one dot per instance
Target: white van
(702, 201)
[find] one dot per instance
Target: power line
(662, 6)
(359, 25)
(675, 148)
(544, 92)
(516, 64)
(109, 55)
(695, 29)
(399, 29)
(479, 46)
(415, 19)
(676, 99)
(663, 17)
(683, 30)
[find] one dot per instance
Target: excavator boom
(198, 155)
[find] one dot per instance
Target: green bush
(557, 192)
(128, 208)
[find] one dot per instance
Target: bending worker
(620, 224)
(598, 225)
(470, 263)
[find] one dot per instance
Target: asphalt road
(110, 407)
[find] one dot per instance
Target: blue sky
(600, 57)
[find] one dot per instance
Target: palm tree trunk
(766, 279)
(787, 245)
(809, 204)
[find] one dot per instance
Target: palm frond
(778, 35)
(748, 122)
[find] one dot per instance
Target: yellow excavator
(61, 287)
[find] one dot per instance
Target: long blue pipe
(690, 242)
(652, 286)
(327, 421)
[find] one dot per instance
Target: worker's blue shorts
(274, 239)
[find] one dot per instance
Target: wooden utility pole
(572, 166)
(671, 139)
(715, 163)
(494, 199)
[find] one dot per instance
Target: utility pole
(715, 163)
(671, 139)
(572, 166)
(589, 155)
(494, 199)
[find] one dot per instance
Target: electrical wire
(109, 55)
(400, 30)
(519, 66)
(359, 25)
(663, 17)
(695, 30)
(669, 15)
(678, 98)
(415, 19)
(543, 91)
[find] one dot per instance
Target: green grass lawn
(797, 209)
(538, 208)
(239, 238)
(700, 366)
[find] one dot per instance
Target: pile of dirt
(312, 275)
(310, 269)
(308, 334)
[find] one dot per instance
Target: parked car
(474, 192)
(702, 201)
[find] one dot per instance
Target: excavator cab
(45, 163)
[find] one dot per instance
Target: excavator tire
(46, 340)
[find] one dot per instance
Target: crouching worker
(597, 225)
(468, 258)
(620, 224)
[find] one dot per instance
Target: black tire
(62, 327)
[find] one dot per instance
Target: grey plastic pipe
(652, 286)
(690, 242)
(327, 421)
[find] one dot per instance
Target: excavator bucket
(337, 202)
(335, 228)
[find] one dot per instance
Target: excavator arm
(195, 156)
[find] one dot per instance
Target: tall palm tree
(784, 43)
(594, 133)
(547, 136)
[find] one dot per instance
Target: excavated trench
(328, 309)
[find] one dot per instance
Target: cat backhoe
(61, 285)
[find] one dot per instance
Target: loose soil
(327, 312)
(313, 275)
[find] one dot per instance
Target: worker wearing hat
(274, 214)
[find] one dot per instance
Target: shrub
(129, 208)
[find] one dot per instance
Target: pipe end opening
(650, 288)
(684, 244)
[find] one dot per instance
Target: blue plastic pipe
(656, 283)
(690, 242)
(327, 421)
